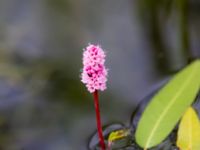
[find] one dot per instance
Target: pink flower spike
(94, 74)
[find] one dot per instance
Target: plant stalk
(98, 120)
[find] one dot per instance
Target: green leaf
(189, 131)
(167, 107)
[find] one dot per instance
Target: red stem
(98, 120)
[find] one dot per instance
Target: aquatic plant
(94, 76)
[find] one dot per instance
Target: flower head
(94, 73)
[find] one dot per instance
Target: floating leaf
(189, 131)
(167, 107)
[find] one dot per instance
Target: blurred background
(43, 104)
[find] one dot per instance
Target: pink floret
(94, 73)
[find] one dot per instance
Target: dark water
(43, 104)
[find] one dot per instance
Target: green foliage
(167, 107)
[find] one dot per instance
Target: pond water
(43, 104)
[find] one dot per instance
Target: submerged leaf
(167, 107)
(189, 131)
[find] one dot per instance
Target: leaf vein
(167, 108)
